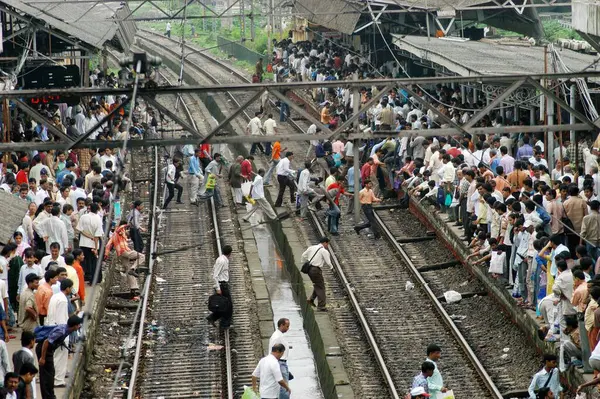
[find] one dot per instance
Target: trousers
(285, 181)
(316, 276)
(370, 215)
(171, 187)
(273, 165)
(264, 206)
(89, 265)
(194, 187)
(226, 315)
(333, 218)
(136, 237)
(285, 373)
(46, 373)
(131, 260)
(61, 356)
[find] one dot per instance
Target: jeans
(214, 192)
(284, 111)
(256, 146)
(333, 218)
(171, 187)
(269, 173)
(285, 372)
(522, 279)
(267, 146)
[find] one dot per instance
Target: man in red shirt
(23, 174)
(365, 171)
(246, 164)
(334, 191)
(205, 155)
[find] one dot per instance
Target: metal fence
(238, 50)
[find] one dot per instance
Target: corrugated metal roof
(13, 210)
(433, 4)
(89, 22)
(486, 57)
(325, 13)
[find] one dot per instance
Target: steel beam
(92, 91)
(233, 115)
(478, 116)
(36, 116)
(172, 115)
(563, 104)
(289, 137)
(301, 111)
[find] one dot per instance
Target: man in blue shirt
(420, 380)
(196, 175)
(45, 353)
(546, 378)
(525, 151)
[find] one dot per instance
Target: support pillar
(355, 154)
(532, 118)
(572, 101)
(550, 145)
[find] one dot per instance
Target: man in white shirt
(283, 325)
(90, 227)
(254, 128)
(58, 313)
(108, 157)
(317, 256)
(257, 192)
(42, 191)
(270, 127)
(285, 177)
(79, 192)
(55, 231)
(221, 286)
(268, 372)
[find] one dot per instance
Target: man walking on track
(196, 176)
(318, 256)
(366, 198)
(285, 177)
(221, 280)
(257, 193)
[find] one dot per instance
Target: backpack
(319, 151)
(42, 332)
(543, 215)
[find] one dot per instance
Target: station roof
(486, 57)
(339, 15)
(90, 22)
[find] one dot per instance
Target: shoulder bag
(306, 266)
(567, 222)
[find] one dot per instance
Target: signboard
(52, 77)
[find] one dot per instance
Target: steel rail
(361, 317)
(229, 368)
(440, 309)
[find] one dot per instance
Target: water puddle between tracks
(285, 304)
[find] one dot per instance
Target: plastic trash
(452, 296)
(249, 393)
(409, 286)
(445, 395)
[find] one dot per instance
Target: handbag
(306, 266)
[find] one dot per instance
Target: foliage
(554, 31)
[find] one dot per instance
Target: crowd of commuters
(52, 257)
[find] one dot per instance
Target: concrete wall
(586, 16)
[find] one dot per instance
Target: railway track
(471, 381)
(504, 350)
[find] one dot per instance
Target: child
(497, 256)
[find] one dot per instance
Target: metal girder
(17, 33)
(100, 123)
(234, 114)
(92, 91)
(559, 101)
(301, 111)
(36, 116)
(478, 116)
(356, 115)
(290, 137)
(172, 115)
(373, 20)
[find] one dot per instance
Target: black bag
(218, 303)
(330, 161)
(306, 266)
